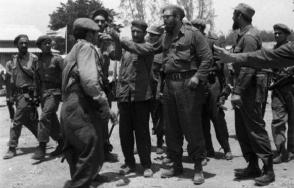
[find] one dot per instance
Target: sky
(36, 12)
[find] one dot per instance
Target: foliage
(66, 13)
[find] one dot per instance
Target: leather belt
(179, 75)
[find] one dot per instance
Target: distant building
(7, 35)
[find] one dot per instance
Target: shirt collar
(244, 30)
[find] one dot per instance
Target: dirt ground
(23, 172)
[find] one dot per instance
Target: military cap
(199, 21)
(41, 39)
(176, 8)
(85, 23)
(157, 30)
(16, 39)
(282, 27)
(102, 12)
(140, 24)
(245, 9)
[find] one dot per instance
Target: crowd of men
(174, 73)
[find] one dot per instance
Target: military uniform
(250, 126)
(50, 71)
(81, 117)
(213, 111)
(133, 96)
(186, 56)
(23, 79)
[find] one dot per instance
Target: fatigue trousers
(157, 120)
(134, 120)
(25, 114)
(49, 124)
(250, 126)
(283, 112)
(82, 130)
(212, 112)
(182, 113)
(10, 109)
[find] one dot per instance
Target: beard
(235, 26)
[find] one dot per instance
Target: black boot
(175, 170)
(58, 150)
(251, 171)
(40, 152)
(198, 176)
(268, 175)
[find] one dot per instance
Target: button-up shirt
(135, 72)
(50, 70)
(82, 63)
(248, 40)
(186, 51)
(24, 76)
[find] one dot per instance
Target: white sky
(36, 12)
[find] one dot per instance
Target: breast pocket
(182, 52)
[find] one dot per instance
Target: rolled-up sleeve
(204, 55)
(88, 72)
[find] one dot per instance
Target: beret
(102, 12)
(16, 39)
(245, 9)
(282, 27)
(140, 24)
(178, 9)
(85, 23)
(41, 39)
(157, 30)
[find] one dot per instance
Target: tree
(65, 15)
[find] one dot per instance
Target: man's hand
(236, 101)
(222, 55)
(193, 82)
(104, 109)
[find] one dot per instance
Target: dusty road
(23, 172)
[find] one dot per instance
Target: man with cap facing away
(283, 102)
(109, 47)
(218, 93)
(133, 96)
(24, 71)
(154, 34)
(84, 107)
(248, 98)
(50, 72)
(186, 60)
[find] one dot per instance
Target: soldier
(134, 94)
(154, 34)
(50, 73)
(282, 102)
(84, 107)
(186, 60)
(248, 102)
(24, 71)
(109, 47)
(218, 93)
(9, 90)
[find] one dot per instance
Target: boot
(268, 173)
(281, 156)
(10, 153)
(290, 156)
(40, 152)
(198, 176)
(175, 170)
(251, 171)
(58, 150)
